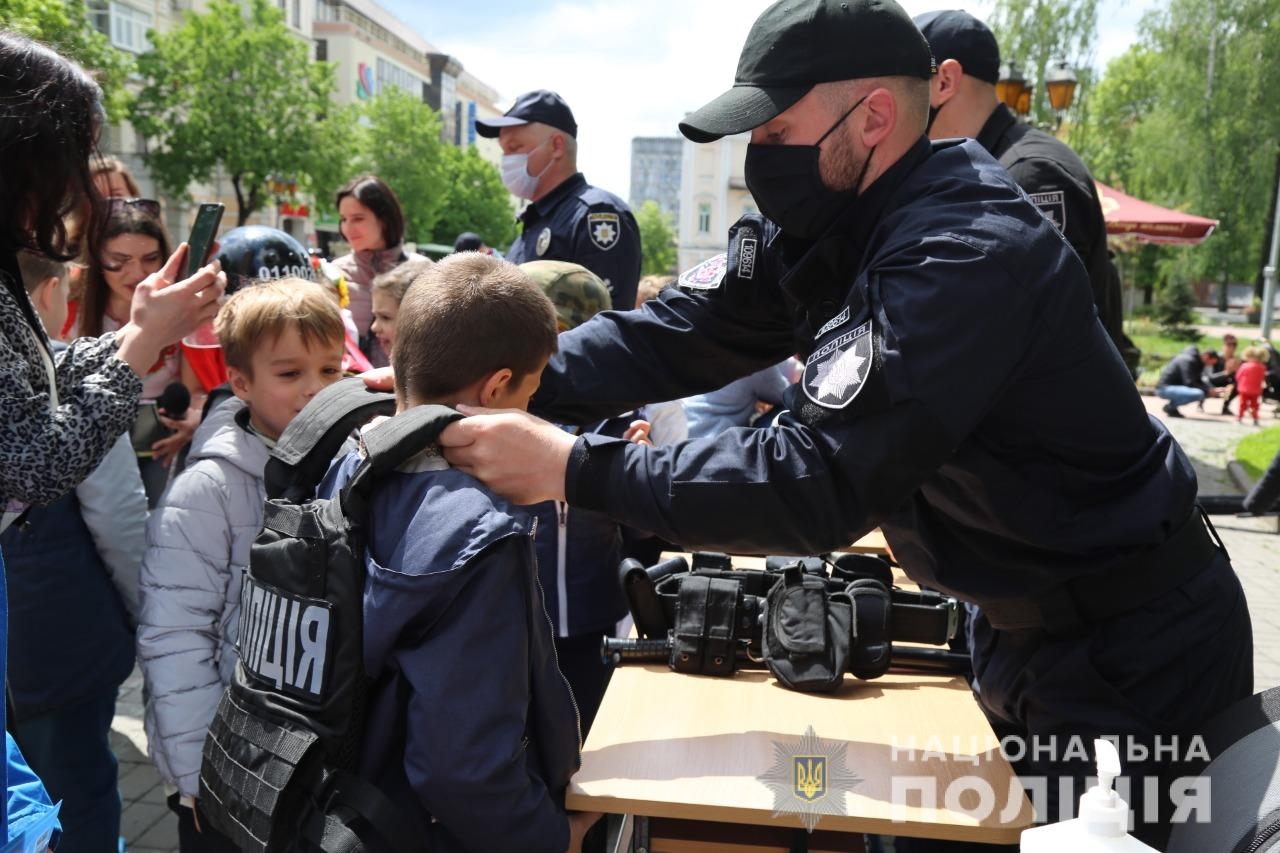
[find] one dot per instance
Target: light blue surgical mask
(516, 177)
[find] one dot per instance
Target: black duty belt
(1102, 595)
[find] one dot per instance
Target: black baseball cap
(542, 106)
(796, 44)
(955, 34)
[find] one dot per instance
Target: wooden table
(668, 745)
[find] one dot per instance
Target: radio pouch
(806, 633)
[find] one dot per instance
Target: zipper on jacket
(555, 657)
(562, 589)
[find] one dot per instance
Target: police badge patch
(544, 242)
(834, 375)
(706, 275)
(1054, 207)
(604, 230)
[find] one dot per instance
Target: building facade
(713, 195)
(656, 167)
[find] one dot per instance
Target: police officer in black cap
(948, 333)
(567, 219)
(964, 103)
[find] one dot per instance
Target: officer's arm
(610, 248)
(1071, 207)
(675, 346)
(465, 753)
(825, 476)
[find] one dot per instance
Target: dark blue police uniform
(949, 332)
(585, 225)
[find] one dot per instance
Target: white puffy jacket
(198, 542)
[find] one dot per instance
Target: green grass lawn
(1256, 451)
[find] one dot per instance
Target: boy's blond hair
(36, 268)
(265, 310)
(396, 281)
(1256, 353)
(465, 318)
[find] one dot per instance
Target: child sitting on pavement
(470, 726)
(283, 343)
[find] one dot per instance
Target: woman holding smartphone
(133, 246)
(59, 415)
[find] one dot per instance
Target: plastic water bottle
(1102, 826)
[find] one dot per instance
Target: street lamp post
(1060, 81)
(1013, 90)
(1011, 86)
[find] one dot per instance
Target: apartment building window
(297, 14)
(326, 10)
(390, 74)
(123, 24)
(322, 50)
(704, 218)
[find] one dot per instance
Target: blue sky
(633, 67)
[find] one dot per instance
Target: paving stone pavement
(1208, 439)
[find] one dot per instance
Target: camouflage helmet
(576, 291)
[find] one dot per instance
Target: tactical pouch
(704, 639)
(806, 633)
(871, 634)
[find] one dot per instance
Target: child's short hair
(396, 281)
(36, 268)
(265, 310)
(466, 317)
(1256, 353)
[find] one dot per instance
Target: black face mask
(787, 185)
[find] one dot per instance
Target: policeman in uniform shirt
(567, 219)
(964, 103)
(948, 333)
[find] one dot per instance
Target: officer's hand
(520, 457)
(639, 432)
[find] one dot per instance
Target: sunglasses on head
(149, 206)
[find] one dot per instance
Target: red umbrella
(1150, 222)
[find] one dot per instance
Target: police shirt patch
(544, 242)
(604, 230)
(837, 371)
(747, 258)
(834, 323)
(1054, 206)
(706, 275)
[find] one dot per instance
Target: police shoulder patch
(1054, 206)
(544, 242)
(836, 372)
(604, 229)
(705, 276)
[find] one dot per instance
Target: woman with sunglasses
(133, 246)
(372, 223)
(59, 415)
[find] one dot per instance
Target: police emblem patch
(1054, 207)
(544, 242)
(836, 372)
(706, 275)
(604, 230)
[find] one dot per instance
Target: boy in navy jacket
(471, 726)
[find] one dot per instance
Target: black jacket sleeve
(619, 263)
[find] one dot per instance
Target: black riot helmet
(253, 253)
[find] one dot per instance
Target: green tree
(64, 25)
(233, 89)
(657, 240)
(1189, 118)
(475, 200)
(403, 147)
(1032, 33)
(342, 141)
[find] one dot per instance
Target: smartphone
(147, 430)
(200, 243)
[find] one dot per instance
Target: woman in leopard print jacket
(59, 416)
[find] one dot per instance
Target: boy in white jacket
(283, 343)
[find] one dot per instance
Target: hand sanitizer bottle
(1103, 822)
